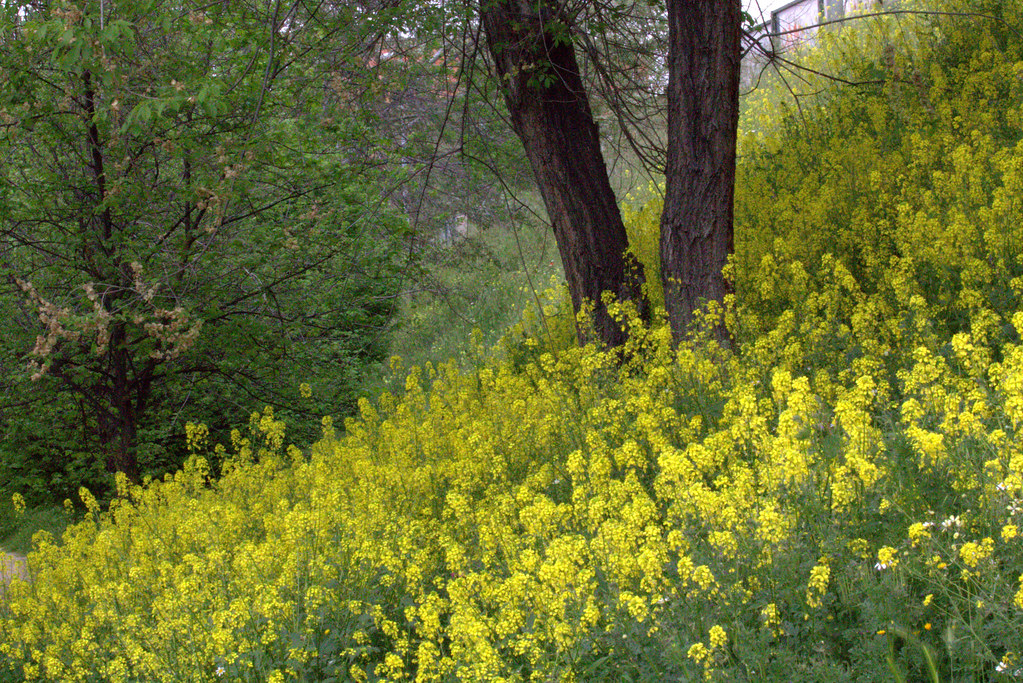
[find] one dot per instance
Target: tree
(533, 51)
(704, 38)
(186, 219)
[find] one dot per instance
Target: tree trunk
(109, 265)
(703, 118)
(535, 61)
(122, 456)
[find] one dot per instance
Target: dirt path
(11, 565)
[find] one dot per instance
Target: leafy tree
(189, 220)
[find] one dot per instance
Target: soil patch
(11, 565)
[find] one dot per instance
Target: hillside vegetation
(840, 499)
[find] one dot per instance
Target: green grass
(19, 528)
(483, 282)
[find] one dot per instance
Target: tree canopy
(193, 220)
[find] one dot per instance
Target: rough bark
(535, 60)
(703, 116)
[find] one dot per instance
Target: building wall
(794, 25)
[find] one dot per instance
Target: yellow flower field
(837, 499)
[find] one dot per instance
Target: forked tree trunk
(536, 64)
(703, 116)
